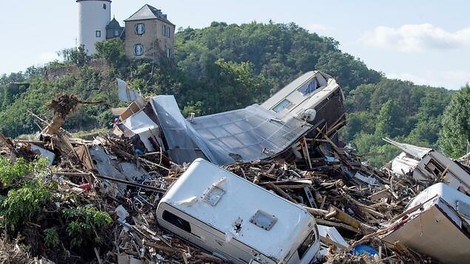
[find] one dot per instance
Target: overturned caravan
(315, 97)
(435, 223)
(235, 219)
(429, 165)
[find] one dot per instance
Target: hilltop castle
(146, 34)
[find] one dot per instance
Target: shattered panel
(247, 134)
(180, 143)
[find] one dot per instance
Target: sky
(423, 41)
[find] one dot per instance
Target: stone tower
(93, 17)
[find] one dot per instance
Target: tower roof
(113, 24)
(148, 12)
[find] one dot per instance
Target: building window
(138, 49)
(139, 28)
(98, 33)
(116, 33)
(166, 31)
(104, 6)
(168, 53)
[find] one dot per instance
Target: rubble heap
(359, 209)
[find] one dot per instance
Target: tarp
(139, 122)
(124, 93)
(179, 139)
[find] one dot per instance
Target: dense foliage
(225, 67)
(455, 133)
(394, 109)
(31, 200)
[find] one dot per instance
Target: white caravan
(315, 97)
(235, 219)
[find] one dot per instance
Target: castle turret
(93, 17)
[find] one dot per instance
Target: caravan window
(283, 104)
(308, 242)
(309, 87)
(176, 221)
(213, 195)
(263, 220)
(434, 167)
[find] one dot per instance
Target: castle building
(147, 33)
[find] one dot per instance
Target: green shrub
(51, 237)
(12, 173)
(24, 204)
(86, 223)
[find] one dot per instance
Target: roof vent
(264, 220)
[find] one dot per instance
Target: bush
(51, 237)
(24, 204)
(86, 223)
(10, 173)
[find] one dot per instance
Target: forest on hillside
(229, 66)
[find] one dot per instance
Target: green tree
(112, 50)
(75, 56)
(455, 132)
(390, 120)
(348, 71)
(228, 86)
(362, 121)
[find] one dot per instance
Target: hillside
(224, 67)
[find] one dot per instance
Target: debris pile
(289, 146)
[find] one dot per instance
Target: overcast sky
(424, 41)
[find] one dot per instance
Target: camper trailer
(235, 219)
(315, 97)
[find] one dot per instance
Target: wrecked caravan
(435, 223)
(429, 165)
(236, 220)
(315, 97)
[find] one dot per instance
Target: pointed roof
(148, 12)
(113, 24)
